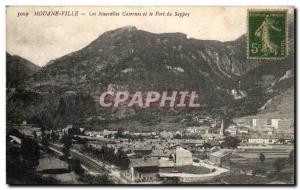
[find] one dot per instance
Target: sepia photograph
(150, 95)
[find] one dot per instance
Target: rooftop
(143, 162)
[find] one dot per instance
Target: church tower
(222, 127)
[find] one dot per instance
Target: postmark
(267, 35)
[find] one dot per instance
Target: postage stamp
(150, 95)
(267, 34)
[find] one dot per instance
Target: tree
(279, 164)
(76, 166)
(54, 136)
(34, 135)
(207, 145)
(123, 160)
(45, 137)
(262, 157)
(74, 131)
(67, 141)
(291, 158)
(45, 142)
(281, 141)
(98, 179)
(231, 142)
(119, 134)
(30, 152)
(177, 136)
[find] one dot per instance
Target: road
(94, 165)
(218, 171)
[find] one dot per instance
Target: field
(187, 169)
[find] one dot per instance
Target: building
(186, 141)
(211, 136)
(107, 133)
(24, 123)
(262, 139)
(143, 169)
(259, 122)
(166, 163)
(197, 130)
(282, 123)
(67, 129)
(267, 130)
(221, 158)
(94, 133)
(278, 138)
(243, 130)
(142, 151)
(125, 133)
(232, 130)
(222, 128)
(183, 157)
(243, 121)
(166, 135)
(30, 131)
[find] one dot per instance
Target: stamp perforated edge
(286, 31)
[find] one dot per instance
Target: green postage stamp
(267, 34)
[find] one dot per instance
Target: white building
(262, 139)
(243, 130)
(107, 132)
(68, 127)
(232, 130)
(282, 123)
(259, 122)
(183, 157)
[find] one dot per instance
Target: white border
(3, 3)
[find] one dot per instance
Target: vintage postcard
(150, 95)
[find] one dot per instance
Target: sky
(43, 38)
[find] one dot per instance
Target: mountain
(128, 58)
(18, 69)
(138, 59)
(280, 106)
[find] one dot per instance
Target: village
(211, 152)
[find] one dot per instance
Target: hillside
(132, 59)
(18, 69)
(138, 59)
(280, 106)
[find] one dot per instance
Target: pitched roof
(143, 162)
